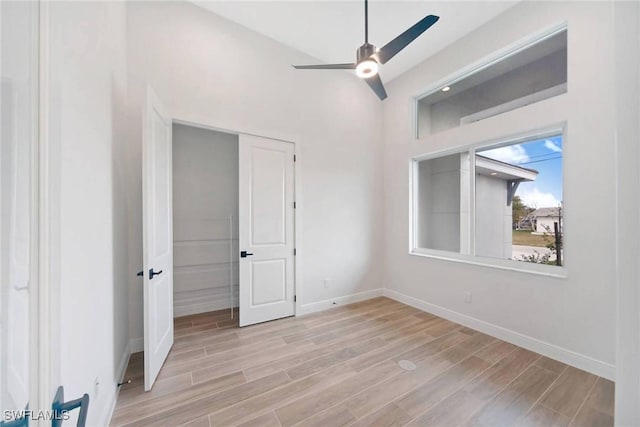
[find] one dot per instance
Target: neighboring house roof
(505, 163)
(503, 170)
(546, 212)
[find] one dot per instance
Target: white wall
(205, 220)
(88, 180)
(211, 71)
(572, 318)
(627, 27)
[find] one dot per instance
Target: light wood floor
(339, 367)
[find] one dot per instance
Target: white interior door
(266, 218)
(18, 207)
(157, 237)
(15, 263)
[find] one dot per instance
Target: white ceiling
(332, 30)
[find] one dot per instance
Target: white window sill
(500, 264)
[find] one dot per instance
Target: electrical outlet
(326, 283)
(467, 297)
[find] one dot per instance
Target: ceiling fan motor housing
(365, 51)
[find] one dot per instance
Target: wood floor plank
(340, 367)
(319, 330)
(602, 396)
(267, 420)
(245, 361)
(238, 350)
(196, 341)
(432, 347)
(370, 329)
(165, 402)
(569, 391)
(515, 400)
(452, 411)
(136, 394)
(190, 409)
(343, 355)
(429, 394)
(496, 351)
(598, 409)
(552, 365)
(386, 352)
(461, 405)
(590, 417)
(389, 415)
(540, 415)
(306, 407)
(195, 329)
(336, 416)
(272, 399)
(185, 356)
(498, 376)
(419, 327)
(198, 422)
(380, 395)
(282, 364)
(468, 346)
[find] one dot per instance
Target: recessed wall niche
(534, 73)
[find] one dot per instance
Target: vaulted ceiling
(332, 30)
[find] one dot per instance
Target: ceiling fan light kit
(368, 58)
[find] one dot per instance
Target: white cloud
(552, 146)
(509, 154)
(537, 199)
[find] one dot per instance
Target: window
(526, 75)
(502, 201)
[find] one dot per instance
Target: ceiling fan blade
(390, 50)
(375, 83)
(325, 67)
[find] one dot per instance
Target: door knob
(153, 273)
(244, 254)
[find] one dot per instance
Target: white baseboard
(552, 351)
(136, 345)
(105, 419)
(334, 302)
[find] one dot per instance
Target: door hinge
(295, 298)
(294, 157)
(294, 251)
(294, 205)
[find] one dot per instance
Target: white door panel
(18, 142)
(266, 175)
(158, 238)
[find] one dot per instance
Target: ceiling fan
(368, 57)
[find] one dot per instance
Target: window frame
(485, 62)
(471, 258)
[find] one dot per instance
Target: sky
(543, 155)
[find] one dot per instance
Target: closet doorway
(218, 227)
(233, 224)
(205, 221)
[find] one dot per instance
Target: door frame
(199, 122)
(47, 288)
(44, 313)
